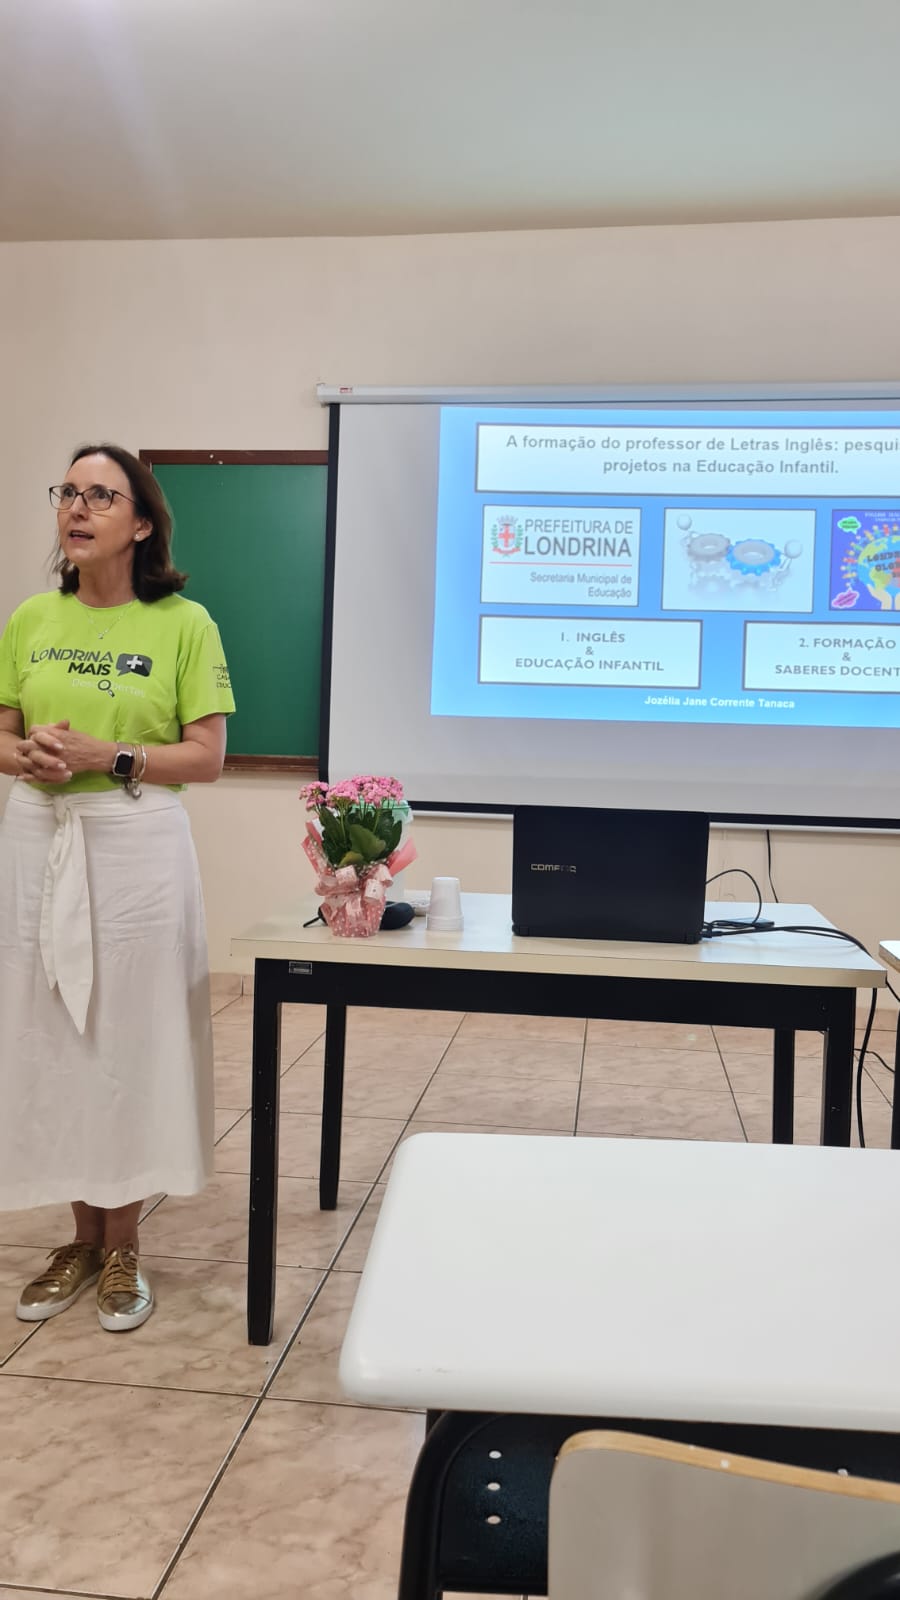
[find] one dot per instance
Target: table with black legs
(780, 981)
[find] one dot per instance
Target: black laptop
(580, 873)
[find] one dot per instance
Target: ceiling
(256, 118)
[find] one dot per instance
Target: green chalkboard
(250, 531)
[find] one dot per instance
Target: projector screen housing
(678, 600)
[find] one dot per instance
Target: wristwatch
(123, 766)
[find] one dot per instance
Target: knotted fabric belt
(66, 941)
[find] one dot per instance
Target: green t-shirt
(135, 673)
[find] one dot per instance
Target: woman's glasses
(96, 498)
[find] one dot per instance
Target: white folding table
(520, 1288)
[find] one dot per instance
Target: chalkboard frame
(246, 458)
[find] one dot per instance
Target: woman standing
(113, 696)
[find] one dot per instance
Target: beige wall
(220, 343)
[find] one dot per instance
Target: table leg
(263, 1156)
(895, 1112)
(837, 1083)
(332, 1107)
(783, 1087)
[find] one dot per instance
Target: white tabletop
(889, 953)
(487, 942)
(633, 1278)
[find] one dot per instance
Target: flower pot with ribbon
(356, 847)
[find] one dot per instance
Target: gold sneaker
(124, 1296)
(57, 1288)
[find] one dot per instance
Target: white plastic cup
(445, 908)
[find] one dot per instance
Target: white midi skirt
(106, 1065)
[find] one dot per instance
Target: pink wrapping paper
(352, 901)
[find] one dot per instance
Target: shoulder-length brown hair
(153, 574)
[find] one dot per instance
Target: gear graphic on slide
(753, 558)
(715, 560)
(704, 548)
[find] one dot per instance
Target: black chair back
(879, 1580)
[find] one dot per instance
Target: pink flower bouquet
(355, 848)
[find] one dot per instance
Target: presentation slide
(737, 565)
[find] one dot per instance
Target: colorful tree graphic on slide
(865, 561)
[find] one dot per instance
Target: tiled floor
(178, 1460)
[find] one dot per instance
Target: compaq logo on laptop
(552, 866)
